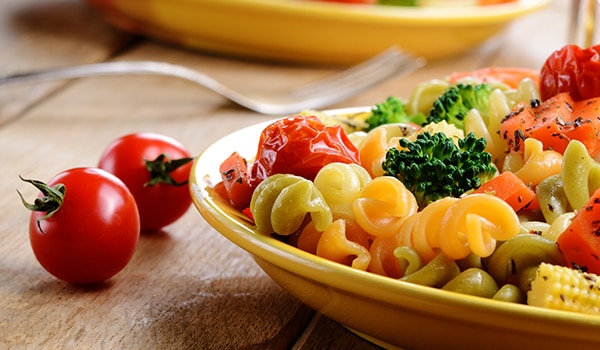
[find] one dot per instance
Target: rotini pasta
(280, 203)
(436, 273)
(421, 231)
(457, 227)
(422, 97)
(340, 184)
(519, 258)
(382, 206)
(552, 198)
(376, 143)
(534, 164)
(487, 123)
(580, 174)
(334, 245)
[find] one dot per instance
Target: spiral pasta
(580, 174)
(280, 203)
(457, 227)
(487, 123)
(534, 164)
(519, 258)
(382, 205)
(421, 231)
(334, 245)
(340, 184)
(552, 198)
(376, 143)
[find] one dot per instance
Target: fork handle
(125, 68)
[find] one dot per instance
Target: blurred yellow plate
(310, 31)
(383, 310)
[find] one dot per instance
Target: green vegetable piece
(433, 167)
(454, 104)
(392, 110)
(473, 281)
(510, 293)
(435, 273)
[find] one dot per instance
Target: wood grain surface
(187, 287)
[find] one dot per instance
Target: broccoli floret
(454, 104)
(390, 111)
(433, 166)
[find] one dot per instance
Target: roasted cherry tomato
(574, 70)
(301, 145)
(298, 145)
(84, 227)
(156, 169)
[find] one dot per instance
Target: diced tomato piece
(580, 243)
(236, 180)
(510, 188)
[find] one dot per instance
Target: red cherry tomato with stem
(156, 169)
(84, 227)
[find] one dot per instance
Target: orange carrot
(580, 242)
(554, 122)
(510, 188)
(236, 180)
(510, 76)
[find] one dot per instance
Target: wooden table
(187, 286)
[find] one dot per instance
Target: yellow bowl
(385, 311)
(308, 31)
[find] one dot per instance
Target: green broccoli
(392, 110)
(433, 166)
(454, 104)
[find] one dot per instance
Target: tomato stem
(161, 168)
(50, 202)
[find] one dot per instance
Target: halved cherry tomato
(574, 70)
(85, 226)
(156, 169)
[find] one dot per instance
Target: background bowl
(385, 311)
(308, 31)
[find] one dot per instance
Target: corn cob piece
(562, 288)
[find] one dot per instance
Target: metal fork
(324, 92)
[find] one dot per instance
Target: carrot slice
(236, 180)
(510, 188)
(580, 242)
(554, 122)
(510, 76)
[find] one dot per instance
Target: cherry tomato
(301, 145)
(574, 70)
(84, 227)
(156, 169)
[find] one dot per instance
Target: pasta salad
(484, 183)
